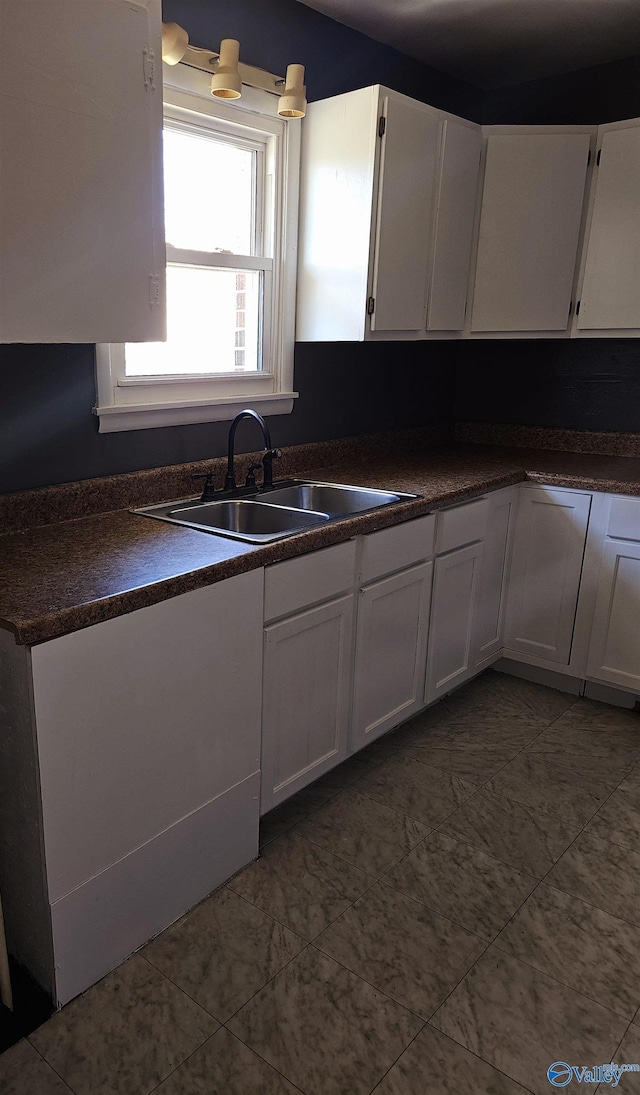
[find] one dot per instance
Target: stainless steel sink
(261, 517)
(331, 498)
(245, 520)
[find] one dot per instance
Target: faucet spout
(230, 480)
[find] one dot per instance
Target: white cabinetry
(491, 598)
(81, 231)
(148, 740)
(450, 659)
(614, 650)
(386, 217)
(307, 669)
(391, 639)
(544, 581)
(532, 200)
(610, 296)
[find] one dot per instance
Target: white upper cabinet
(386, 217)
(81, 220)
(457, 187)
(610, 297)
(403, 223)
(530, 220)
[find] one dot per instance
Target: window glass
(209, 192)
(213, 325)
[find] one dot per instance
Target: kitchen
(433, 390)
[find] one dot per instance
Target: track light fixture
(226, 82)
(174, 43)
(229, 75)
(293, 101)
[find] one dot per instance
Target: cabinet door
(611, 290)
(455, 582)
(81, 230)
(458, 183)
(404, 218)
(529, 225)
(492, 581)
(306, 695)
(391, 644)
(545, 574)
(614, 652)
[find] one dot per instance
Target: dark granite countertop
(60, 577)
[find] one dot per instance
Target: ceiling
(495, 42)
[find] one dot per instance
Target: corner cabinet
(532, 203)
(614, 648)
(545, 575)
(610, 294)
(81, 231)
(387, 199)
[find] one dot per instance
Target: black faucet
(269, 453)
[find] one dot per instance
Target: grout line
(48, 1063)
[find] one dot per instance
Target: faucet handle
(209, 490)
(267, 463)
(250, 481)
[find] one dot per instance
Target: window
(230, 180)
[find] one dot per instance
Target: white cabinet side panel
(336, 209)
(404, 218)
(81, 207)
(529, 226)
(614, 654)
(142, 720)
(23, 884)
(460, 161)
(611, 289)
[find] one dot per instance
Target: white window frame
(130, 403)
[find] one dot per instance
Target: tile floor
(447, 913)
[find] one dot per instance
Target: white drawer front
(624, 519)
(309, 579)
(461, 525)
(397, 547)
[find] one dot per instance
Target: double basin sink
(266, 515)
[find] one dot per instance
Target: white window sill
(147, 416)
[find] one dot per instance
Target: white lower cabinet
(491, 591)
(614, 649)
(306, 698)
(544, 579)
(391, 643)
(451, 648)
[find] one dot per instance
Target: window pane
(213, 325)
(208, 188)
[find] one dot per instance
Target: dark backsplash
(580, 384)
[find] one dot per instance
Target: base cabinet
(614, 653)
(450, 657)
(544, 579)
(391, 643)
(306, 698)
(491, 593)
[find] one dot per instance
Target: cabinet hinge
(578, 308)
(598, 157)
(588, 157)
(154, 290)
(382, 125)
(149, 69)
(371, 306)
(570, 307)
